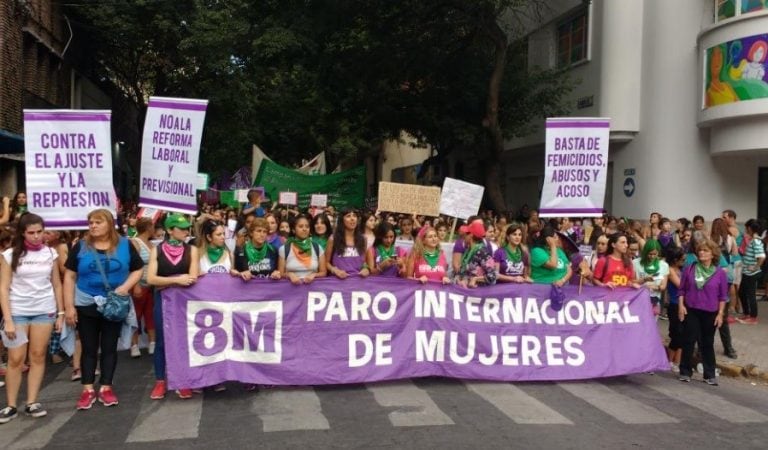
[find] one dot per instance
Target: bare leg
(16, 357)
(39, 335)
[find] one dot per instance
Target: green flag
(343, 189)
(228, 198)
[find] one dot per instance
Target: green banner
(343, 189)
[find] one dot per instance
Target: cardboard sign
(460, 199)
(289, 198)
(318, 200)
(409, 198)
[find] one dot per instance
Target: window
(725, 9)
(572, 40)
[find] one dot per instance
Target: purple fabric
(351, 262)
(707, 298)
(390, 271)
(507, 267)
(272, 332)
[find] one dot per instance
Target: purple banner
(333, 331)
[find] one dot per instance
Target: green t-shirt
(541, 274)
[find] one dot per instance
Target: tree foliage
(300, 76)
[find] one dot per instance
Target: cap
(176, 220)
(476, 228)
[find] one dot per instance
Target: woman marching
(427, 261)
(345, 254)
(615, 269)
(172, 263)
(653, 272)
(213, 253)
(31, 301)
(301, 259)
(512, 259)
(102, 254)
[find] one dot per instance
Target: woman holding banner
(256, 257)
(102, 254)
(172, 263)
(615, 269)
(30, 298)
(301, 260)
(512, 258)
(427, 261)
(477, 265)
(549, 263)
(214, 255)
(382, 257)
(345, 254)
(273, 231)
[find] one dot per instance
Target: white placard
(575, 167)
(241, 195)
(289, 198)
(170, 152)
(68, 165)
(203, 180)
(318, 200)
(460, 199)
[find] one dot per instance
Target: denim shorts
(40, 319)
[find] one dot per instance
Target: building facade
(36, 72)
(684, 83)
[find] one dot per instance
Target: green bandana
(254, 254)
(174, 242)
(515, 256)
(703, 274)
(320, 241)
(385, 254)
(652, 269)
(304, 245)
(468, 255)
(214, 253)
(432, 258)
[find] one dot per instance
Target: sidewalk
(750, 344)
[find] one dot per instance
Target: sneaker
(76, 375)
(87, 399)
(674, 368)
(700, 368)
(135, 352)
(151, 348)
(221, 387)
(732, 320)
(158, 392)
(731, 354)
(107, 397)
(8, 413)
(748, 320)
(184, 394)
(684, 378)
(663, 317)
(2, 383)
(711, 381)
(35, 410)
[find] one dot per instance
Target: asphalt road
(638, 411)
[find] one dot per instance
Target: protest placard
(170, 152)
(68, 165)
(318, 200)
(409, 198)
(379, 328)
(203, 180)
(575, 167)
(289, 198)
(460, 199)
(241, 195)
(149, 213)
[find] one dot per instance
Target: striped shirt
(753, 252)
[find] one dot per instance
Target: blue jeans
(157, 313)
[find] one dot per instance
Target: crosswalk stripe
(622, 408)
(170, 418)
(289, 409)
(413, 406)
(709, 403)
(516, 404)
(57, 399)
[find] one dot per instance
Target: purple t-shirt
(390, 271)
(351, 261)
(714, 291)
(509, 267)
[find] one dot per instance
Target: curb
(749, 371)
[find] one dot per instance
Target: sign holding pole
(575, 167)
(68, 165)
(173, 130)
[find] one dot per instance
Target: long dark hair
(26, 220)
(322, 217)
(613, 239)
(309, 220)
(339, 240)
(381, 231)
(207, 229)
(541, 239)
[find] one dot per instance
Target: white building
(688, 144)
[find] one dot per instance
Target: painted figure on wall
(736, 71)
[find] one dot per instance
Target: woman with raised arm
(549, 263)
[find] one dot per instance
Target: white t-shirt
(294, 266)
(224, 265)
(655, 285)
(31, 289)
